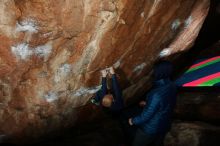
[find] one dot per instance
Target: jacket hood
(162, 70)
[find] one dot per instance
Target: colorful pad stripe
(204, 63)
(203, 73)
(201, 81)
(200, 73)
(212, 82)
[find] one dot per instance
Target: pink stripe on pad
(203, 62)
(202, 80)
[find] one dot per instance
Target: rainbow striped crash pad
(204, 73)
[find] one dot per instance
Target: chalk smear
(142, 14)
(62, 72)
(139, 68)
(50, 96)
(28, 25)
(85, 91)
(188, 21)
(117, 64)
(175, 25)
(47, 34)
(165, 52)
(22, 51)
(43, 50)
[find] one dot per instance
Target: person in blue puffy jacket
(155, 119)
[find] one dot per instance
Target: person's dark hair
(162, 69)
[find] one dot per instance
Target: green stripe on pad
(210, 82)
(204, 65)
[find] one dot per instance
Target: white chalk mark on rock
(47, 34)
(28, 25)
(50, 96)
(43, 51)
(142, 14)
(62, 72)
(22, 51)
(85, 91)
(165, 52)
(117, 64)
(188, 21)
(139, 68)
(175, 25)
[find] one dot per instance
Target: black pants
(144, 139)
(134, 135)
(129, 131)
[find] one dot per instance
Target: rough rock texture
(51, 53)
(202, 105)
(193, 134)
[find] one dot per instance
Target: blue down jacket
(156, 115)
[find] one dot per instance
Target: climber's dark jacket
(118, 102)
(156, 115)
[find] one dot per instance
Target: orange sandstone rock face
(51, 53)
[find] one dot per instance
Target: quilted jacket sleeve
(149, 110)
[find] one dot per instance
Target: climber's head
(162, 69)
(107, 100)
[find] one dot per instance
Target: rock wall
(199, 105)
(193, 134)
(51, 53)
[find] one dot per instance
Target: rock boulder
(51, 53)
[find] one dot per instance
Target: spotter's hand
(130, 121)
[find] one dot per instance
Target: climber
(154, 121)
(110, 100)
